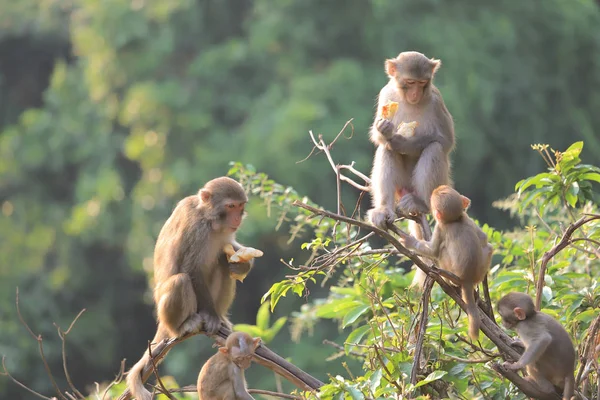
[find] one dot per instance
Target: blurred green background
(111, 111)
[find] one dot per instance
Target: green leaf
(263, 316)
(590, 176)
(356, 336)
(353, 314)
(434, 376)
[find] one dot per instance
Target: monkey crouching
(222, 376)
(549, 356)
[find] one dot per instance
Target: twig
(6, 373)
(525, 386)
(340, 347)
(117, 379)
(422, 329)
(564, 241)
(63, 338)
(155, 371)
(38, 338)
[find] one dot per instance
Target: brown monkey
(222, 377)
(549, 356)
(409, 168)
(458, 245)
(193, 288)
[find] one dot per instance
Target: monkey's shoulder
(389, 92)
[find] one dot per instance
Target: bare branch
(6, 373)
(422, 329)
(63, 339)
(155, 371)
(564, 241)
(194, 389)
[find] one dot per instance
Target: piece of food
(389, 110)
(407, 129)
(244, 254)
(238, 271)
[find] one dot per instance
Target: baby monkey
(222, 377)
(549, 356)
(458, 246)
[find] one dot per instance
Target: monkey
(222, 376)
(193, 288)
(409, 168)
(458, 246)
(549, 356)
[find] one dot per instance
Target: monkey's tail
(469, 299)
(134, 376)
(419, 279)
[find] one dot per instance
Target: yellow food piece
(389, 110)
(244, 254)
(407, 129)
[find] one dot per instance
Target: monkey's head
(447, 205)
(413, 73)
(223, 200)
(514, 308)
(239, 347)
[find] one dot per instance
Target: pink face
(234, 215)
(413, 89)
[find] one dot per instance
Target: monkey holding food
(194, 289)
(549, 356)
(458, 246)
(409, 167)
(222, 376)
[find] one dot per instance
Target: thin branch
(155, 371)
(63, 338)
(340, 347)
(38, 338)
(564, 241)
(422, 330)
(6, 373)
(525, 386)
(117, 379)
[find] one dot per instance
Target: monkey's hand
(512, 366)
(410, 204)
(385, 127)
(192, 324)
(408, 241)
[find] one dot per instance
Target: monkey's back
(213, 380)
(558, 360)
(461, 254)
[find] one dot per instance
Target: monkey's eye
(410, 82)
(231, 206)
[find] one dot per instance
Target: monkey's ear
(438, 215)
(223, 350)
(436, 64)
(519, 313)
(390, 67)
(204, 195)
(466, 202)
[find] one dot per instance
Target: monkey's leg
(176, 307)
(538, 379)
(386, 178)
(431, 171)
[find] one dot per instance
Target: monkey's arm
(429, 249)
(415, 145)
(236, 375)
(237, 268)
(535, 349)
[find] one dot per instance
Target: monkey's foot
(511, 366)
(410, 204)
(381, 217)
(192, 324)
(212, 323)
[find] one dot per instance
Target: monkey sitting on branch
(458, 246)
(408, 168)
(222, 377)
(194, 288)
(549, 356)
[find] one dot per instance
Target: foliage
(372, 303)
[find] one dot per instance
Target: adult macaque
(222, 377)
(549, 356)
(193, 288)
(458, 246)
(409, 168)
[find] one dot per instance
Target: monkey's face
(509, 319)
(413, 89)
(232, 215)
(241, 358)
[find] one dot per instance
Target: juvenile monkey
(193, 289)
(222, 377)
(410, 168)
(458, 245)
(549, 356)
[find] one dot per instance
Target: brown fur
(549, 356)
(458, 246)
(222, 376)
(193, 289)
(406, 170)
